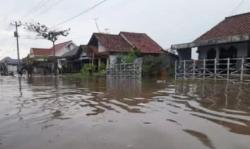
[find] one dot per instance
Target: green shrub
(88, 69)
(102, 67)
(155, 65)
(130, 57)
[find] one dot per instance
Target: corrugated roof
(9, 61)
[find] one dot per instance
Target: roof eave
(215, 41)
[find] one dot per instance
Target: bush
(157, 65)
(130, 57)
(102, 67)
(88, 69)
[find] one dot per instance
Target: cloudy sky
(166, 21)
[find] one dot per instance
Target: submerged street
(113, 113)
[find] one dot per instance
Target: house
(108, 48)
(223, 51)
(8, 66)
(60, 49)
(74, 60)
(229, 39)
(43, 58)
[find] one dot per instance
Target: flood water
(49, 113)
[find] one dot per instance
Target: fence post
(242, 69)
(204, 68)
(184, 67)
(215, 69)
(194, 67)
(228, 68)
(175, 70)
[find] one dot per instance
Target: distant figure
(28, 68)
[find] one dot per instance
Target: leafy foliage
(45, 32)
(155, 65)
(102, 67)
(131, 56)
(88, 69)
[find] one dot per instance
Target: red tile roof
(231, 26)
(114, 43)
(40, 52)
(60, 46)
(48, 52)
(125, 42)
(142, 41)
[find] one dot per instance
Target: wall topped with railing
(219, 69)
(133, 70)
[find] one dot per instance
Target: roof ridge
(63, 42)
(41, 48)
(131, 32)
(238, 15)
(105, 34)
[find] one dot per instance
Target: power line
(48, 8)
(79, 14)
(237, 7)
(36, 8)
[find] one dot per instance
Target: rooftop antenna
(96, 24)
(106, 30)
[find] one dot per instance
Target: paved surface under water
(49, 113)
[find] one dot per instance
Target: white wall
(12, 68)
(113, 59)
(101, 48)
(66, 49)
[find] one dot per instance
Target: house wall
(12, 68)
(113, 59)
(242, 49)
(66, 49)
(101, 48)
(185, 54)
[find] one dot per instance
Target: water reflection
(192, 107)
(220, 102)
(201, 137)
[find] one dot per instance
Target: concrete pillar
(107, 62)
(217, 53)
(99, 63)
(248, 49)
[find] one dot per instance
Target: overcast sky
(166, 21)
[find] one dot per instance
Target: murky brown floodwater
(48, 113)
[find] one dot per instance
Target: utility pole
(16, 35)
(55, 59)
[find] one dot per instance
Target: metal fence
(125, 70)
(220, 69)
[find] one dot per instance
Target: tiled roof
(142, 41)
(231, 26)
(40, 52)
(114, 43)
(48, 52)
(125, 42)
(59, 46)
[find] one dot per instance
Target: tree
(51, 35)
